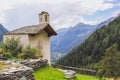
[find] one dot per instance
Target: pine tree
(109, 66)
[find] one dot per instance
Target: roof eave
(18, 33)
(50, 31)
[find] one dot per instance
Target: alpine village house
(37, 36)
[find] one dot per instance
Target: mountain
(68, 38)
(2, 31)
(91, 51)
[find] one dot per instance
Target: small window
(46, 18)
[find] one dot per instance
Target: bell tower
(44, 18)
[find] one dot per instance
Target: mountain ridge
(2, 31)
(89, 53)
(56, 42)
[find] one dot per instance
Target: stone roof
(34, 29)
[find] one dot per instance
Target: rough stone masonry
(23, 71)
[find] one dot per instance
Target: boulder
(69, 73)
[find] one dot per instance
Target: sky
(63, 13)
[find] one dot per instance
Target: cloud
(5, 5)
(64, 13)
(96, 5)
(70, 21)
(2, 18)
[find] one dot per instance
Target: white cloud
(68, 21)
(91, 6)
(64, 13)
(6, 5)
(2, 18)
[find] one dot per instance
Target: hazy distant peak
(117, 15)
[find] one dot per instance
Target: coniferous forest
(92, 51)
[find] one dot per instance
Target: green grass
(85, 77)
(49, 73)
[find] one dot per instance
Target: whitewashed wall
(40, 41)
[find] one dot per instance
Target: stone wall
(35, 63)
(22, 70)
(22, 74)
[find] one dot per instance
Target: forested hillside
(91, 51)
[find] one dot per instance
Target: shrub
(7, 55)
(29, 52)
(1, 48)
(12, 46)
(20, 56)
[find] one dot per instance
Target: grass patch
(85, 77)
(49, 73)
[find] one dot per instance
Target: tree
(109, 66)
(12, 46)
